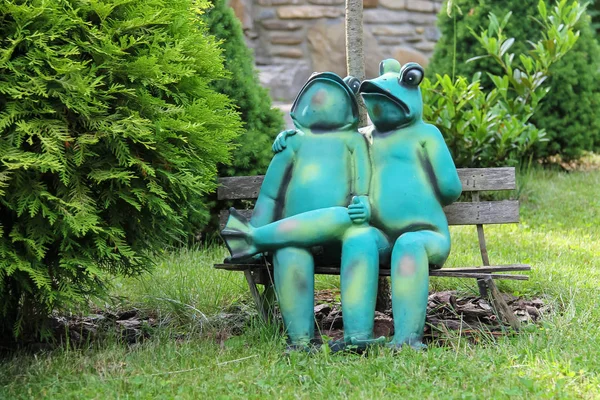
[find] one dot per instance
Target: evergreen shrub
(109, 132)
(261, 122)
(568, 114)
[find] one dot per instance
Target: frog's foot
(354, 345)
(415, 344)
(237, 235)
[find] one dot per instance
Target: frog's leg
(294, 272)
(303, 230)
(411, 256)
(361, 251)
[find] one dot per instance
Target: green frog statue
(398, 221)
(325, 164)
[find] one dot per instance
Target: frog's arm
(440, 167)
(360, 208)
(272, 192)
(361, 164)
(280, 141)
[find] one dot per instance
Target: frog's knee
(409, 241)
(435, 243)
(409, 251)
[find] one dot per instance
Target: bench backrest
(473, 180)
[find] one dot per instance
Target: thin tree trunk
(355, 58)
(355, 61)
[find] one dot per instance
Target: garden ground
(189, 355)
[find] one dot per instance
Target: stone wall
(293, 38)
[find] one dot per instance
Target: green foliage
(478, 128)
(594, 8)
(108, 130)
(485, 128)
(261, 122)
(569, 114)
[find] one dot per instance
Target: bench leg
(483, 292)
(256, 296)
(503, 310)
(269, 298)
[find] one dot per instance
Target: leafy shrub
(569, 115)
(261, 122)
(108, 130)
(492, 127)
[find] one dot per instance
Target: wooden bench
(474, 212)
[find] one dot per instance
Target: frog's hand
(280, 141)
(360, 210)
(237, 235)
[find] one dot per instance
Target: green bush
(487, 127)
(569, 114)
(261, 122)
(594, 8)
(109, 129)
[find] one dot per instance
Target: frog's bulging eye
(412, 76)
(353, 83)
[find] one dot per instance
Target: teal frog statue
(399, 220)
(324, 165)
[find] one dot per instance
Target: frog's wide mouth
(368, 87)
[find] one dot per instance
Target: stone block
(286, 39)
(394, 4)
(279, 25)
(327, 2)
(425, 46)
(390, 40)
(266, 13)
(421, 5)
(327, 44)
(405, 55)
(287, 52)
(393, 30)
(284, 80)
(432, 33)
(279, 2)
(309, 12)
(382, 16)
(243, 11)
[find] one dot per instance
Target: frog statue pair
(374, 196)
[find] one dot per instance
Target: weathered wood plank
(484, 179)
(484, 269)
(239, 187)
(485, 212)
(466, 272)
(473, 179)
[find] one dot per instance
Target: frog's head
(394, 99)
(326, 102)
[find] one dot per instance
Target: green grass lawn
(559, 358)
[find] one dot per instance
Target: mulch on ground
(448, 315)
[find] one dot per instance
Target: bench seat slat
(473, 179)
(485, 212)
(466, 272)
